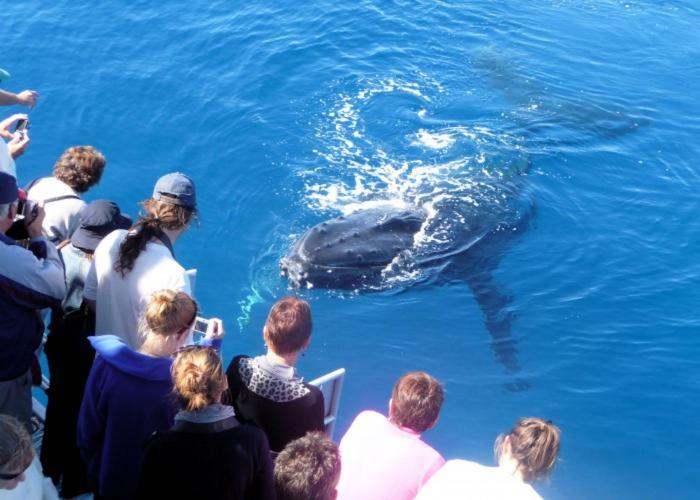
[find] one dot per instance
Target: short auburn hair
(416, 401)
(80, 167)
(308, 469)
(288, 326)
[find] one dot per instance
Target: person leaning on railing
(386, 457)
(233, 460)
(128, 395)
(129, 266)
(267, 390)
(524, 455)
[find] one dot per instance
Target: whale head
(350, 251)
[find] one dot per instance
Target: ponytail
(158, 215)
(534, 444)
(198, 377)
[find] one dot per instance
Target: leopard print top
(265, 384)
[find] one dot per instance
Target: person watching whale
(267, 390)
(129, 266)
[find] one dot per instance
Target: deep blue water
(289, 114)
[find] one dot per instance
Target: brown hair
(308, 469)
(16, 450)
(169, 312)
(534, 443)
(80, 167)
(416, 401)
(158, 215)
(288, 326)
(198, 377)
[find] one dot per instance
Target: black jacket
(196, 461)
(284, 409)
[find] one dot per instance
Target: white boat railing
(331, 385)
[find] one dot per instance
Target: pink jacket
(382, 461)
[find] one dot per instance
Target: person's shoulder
(236, 362)
(314, 392)
(371, 416)
(460, 468)
(42, 186)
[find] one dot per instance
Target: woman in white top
(524, 455)
(128, 267)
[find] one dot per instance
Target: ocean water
(289, 114)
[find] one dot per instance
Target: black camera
(27, 209)
(22, 125)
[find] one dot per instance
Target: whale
(363, 250)
(488, 208)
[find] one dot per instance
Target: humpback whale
(456, 229)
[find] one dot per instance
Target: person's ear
(391, 407)
(12, 212)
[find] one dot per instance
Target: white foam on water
(357, 171)
(434, 140)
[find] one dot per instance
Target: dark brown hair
(16, 450)
(416, 401)
(158, 215)
(198, 377)
(308, 469)
(288, 325)
(534, 443)
(80, 167)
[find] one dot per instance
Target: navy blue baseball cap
(97, 220)
(176, 188)
(8, 188)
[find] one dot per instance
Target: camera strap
(55, 198)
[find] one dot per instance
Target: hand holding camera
(8, 122)
(214, 329)
(33, 217)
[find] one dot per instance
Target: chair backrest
(331, 385)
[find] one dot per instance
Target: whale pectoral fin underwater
(498, 318)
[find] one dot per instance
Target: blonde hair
(169, 312)
(534, 444)
(198, 377)
(16, 450)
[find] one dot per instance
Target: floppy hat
(97, 220)
(175, 188)
(8, 188)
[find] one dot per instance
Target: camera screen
(200, 325)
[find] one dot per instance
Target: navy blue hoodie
(128, 397)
